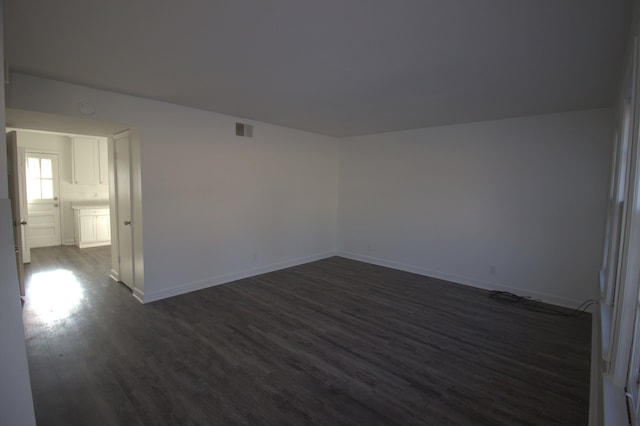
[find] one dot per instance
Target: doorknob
(127, 222)
(24, 222)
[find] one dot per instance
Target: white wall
(525, 196)
(69, 192)
(16, 405)
(216, 207)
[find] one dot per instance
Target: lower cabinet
(93, 227)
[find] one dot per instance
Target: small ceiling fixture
(86, 109)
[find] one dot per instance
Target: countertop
(98, 204)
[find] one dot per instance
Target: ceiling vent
(243, 129)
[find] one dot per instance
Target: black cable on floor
(537, 305)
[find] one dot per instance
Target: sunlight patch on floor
(54, 295)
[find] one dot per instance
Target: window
(617, 209)
(39, 179)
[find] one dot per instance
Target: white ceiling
(336, 67)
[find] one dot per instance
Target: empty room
(328, 212)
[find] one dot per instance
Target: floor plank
(331, 342)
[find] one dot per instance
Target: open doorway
(86, 195)
(67, 189)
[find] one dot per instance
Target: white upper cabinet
(103, 162)
(89, 165)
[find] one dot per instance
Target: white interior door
(122, 150)
(14, 191)
(43, 203)
(24, 210)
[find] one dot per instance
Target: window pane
(33, 167)
(47, 189)
(33, 189)
(46, 171)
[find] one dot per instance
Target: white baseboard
(96, 244)
(458, 279)
(138, 295)
(227, 278)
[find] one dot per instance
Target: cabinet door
(87, 229)
(103, 228)
(85, 160)
(103, 160)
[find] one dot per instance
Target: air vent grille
(244, 130)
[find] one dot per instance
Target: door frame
(70, 126)
(22, 200)
(137, 285)
(118, 216)
(17, 220)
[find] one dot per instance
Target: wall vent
(243, 129)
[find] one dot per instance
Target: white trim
(28, 150)
(138, 295)
(606, 326)
(459, 279)
(94, 244)
(49, 132)
(227, 278)
(113, 274)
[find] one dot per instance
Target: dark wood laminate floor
(331, 342)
